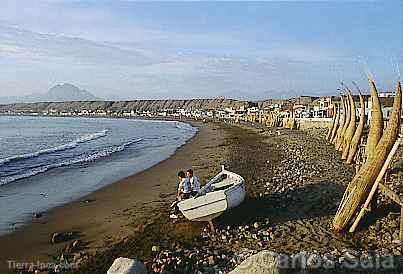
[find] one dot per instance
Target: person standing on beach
(194, 182)
(184, 188)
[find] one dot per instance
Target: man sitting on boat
(184, 188)
(194, 182)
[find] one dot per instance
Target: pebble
(58, 237)
(155, 248)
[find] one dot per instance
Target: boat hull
(213, 204)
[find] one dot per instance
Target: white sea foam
(184, 126)
(77, 160)
(73, 144)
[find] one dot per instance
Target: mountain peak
(59, 93)
(65, 85)
(68, 92)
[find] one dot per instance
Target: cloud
(19, 43)
(32, 62)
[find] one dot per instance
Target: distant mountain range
(59, 93)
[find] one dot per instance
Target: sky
(164, 50)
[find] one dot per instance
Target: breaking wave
(184, 126)
(71, 145)
(84, 158)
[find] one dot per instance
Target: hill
(59, 93)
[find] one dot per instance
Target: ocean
(48, 161)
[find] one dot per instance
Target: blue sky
(136, 50)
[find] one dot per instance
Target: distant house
(253, 110)
(322, 107)
(220, 114)
(386, 94)
(386, 104)
(302, 111)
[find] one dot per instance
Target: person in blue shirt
(184, 187)
(184, 192)
(194, 182)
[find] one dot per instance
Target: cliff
(151, 105)
(141, 105)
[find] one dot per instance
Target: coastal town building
(303, 107)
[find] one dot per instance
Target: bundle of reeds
(360, 186)
(358, 133)
(291, 120)
(283, 122)
(329, 133)
(345, 126)
(272, 120)
(336, 126)
(286, 122)
(376, 124)
(341, 123)
(276, 120)
(269, 122)
(348, 136)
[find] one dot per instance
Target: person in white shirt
(184, 188)
(194, 182)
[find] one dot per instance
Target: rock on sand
(127, 266)
(264, 262)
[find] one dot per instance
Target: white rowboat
(225, 191)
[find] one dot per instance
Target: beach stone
(127, 266)
(77, 257)
(58, 268)
(59, 237)
(211, 260)
(61, 258)
(265, 262)
(155, 248)
(72, 247)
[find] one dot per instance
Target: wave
(77, 160)
(29, 173)
(71, 145)
(184, 126)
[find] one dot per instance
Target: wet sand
(114, 212)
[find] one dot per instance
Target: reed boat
(225, 191)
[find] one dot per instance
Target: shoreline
(78, 215)
(14, 225)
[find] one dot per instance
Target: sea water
(48, 161)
